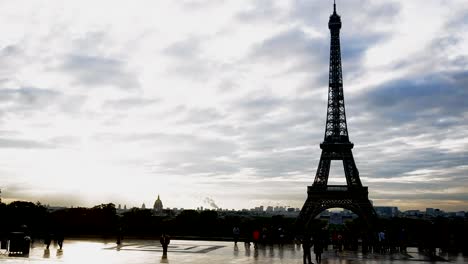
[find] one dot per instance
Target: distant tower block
(336, 146)
(158, 206)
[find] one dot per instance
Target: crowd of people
(380, 242)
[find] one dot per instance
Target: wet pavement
(202, 252)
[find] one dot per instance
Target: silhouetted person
(47, 240)
(119, 236)
(256, 237)
(59, 238)
(318, 249)
(306, 244)
(235, 234)
(339, 243)
(381, 238)
(281, 236)
(247, 242)
(264, 236)
(402, 237)
(165, 240)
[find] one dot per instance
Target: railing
(336, 188)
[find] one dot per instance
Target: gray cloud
(24, 144)
(129, 103)
(198, 5)
(96, 71)
(199, 116)
(369, 13)
(34, 97)
(26, 192)
(261, 10)
(31, 99)
(187, 59)
(184, 49)
(431, 96)
(306, 53)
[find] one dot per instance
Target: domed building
(158, 206)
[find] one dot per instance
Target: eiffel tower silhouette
(336, 146)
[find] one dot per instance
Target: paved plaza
(202, 252)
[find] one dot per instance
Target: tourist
(381, 239)
(59, 238)
(306, 244)
(235, 234)
(281, 236)
(119, 236)
(256, 237)
(165, 240)
(318, 249)
(47, 240)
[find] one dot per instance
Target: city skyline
(224, 102)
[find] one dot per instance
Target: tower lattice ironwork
(336, 146)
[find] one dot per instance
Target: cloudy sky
(225, 101)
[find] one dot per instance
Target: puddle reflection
(164, 259)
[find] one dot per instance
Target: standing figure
(59, 238)
(306, 244)
(235, 234)
(281, 236)
(47, 240)
(165, 240)
(119, 236)
(256, 237)
(318, 249)
(339, 243)
(381, 237)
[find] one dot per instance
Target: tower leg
(321, 178)
(350, 169)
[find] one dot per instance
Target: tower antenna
(334, 6)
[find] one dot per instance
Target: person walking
(59, 237)
(165, 241)
(235, 234)
(306, 244)
(256, 237)
(47, 240)
(318, 249)
(382, 246)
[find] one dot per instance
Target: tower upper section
(336, 130)
(335, 20)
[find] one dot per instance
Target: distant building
(386, 211)
(460, 214)
(143, 206)
(279, 209)
(412, 213)
(158, 206)
(430, 212)
(336, 219)
(438, 212)
(55, 208)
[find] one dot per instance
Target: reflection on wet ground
(180, 251)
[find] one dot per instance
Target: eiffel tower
(336, 146)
